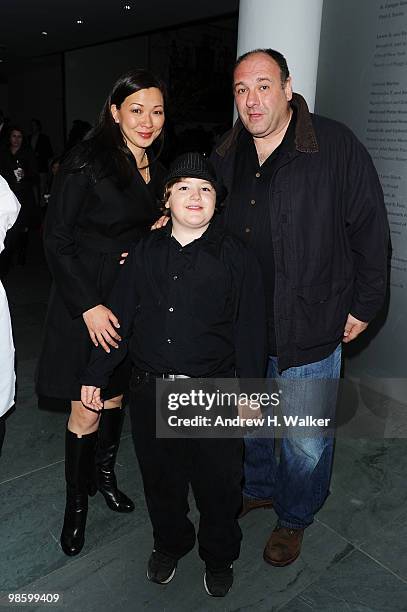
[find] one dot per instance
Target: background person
(9, 209)
(42, 148)
(18, 166)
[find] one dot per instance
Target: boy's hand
(161, 222)
(90, 397)
(101, 324)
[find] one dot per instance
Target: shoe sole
(208, 591)
(280, 563)
(170, 577)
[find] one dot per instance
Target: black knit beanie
(193, 165)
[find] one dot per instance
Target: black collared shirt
(188, 310)
(250, 221)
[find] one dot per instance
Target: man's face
(261, 100)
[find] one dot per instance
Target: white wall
(362, 81)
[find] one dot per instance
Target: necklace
(144, 170)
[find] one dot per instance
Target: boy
(190, 303)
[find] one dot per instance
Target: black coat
(329, 232)
(89, 224)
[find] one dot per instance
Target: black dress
(89, 223)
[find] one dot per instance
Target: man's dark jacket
(329, 232)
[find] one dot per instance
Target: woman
(18, 166)
(105, 196)
(9, 209)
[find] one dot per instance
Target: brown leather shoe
(283, 546)
(249, 503)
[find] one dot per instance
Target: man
(304, 194)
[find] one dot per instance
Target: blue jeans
(299, 483)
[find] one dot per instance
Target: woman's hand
(90, 398)
(101, 324)
(161, 222)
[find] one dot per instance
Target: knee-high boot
(79, 459)
(110, 428)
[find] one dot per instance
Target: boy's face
(192, 203)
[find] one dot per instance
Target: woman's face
(141, 118)
(16, 138)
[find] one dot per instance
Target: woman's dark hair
(77, 133)
(105, 144)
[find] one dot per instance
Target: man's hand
(101, 323)
(353, 328)
(161, 222)
(124, 255)
(90, 397)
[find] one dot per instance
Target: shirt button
(247, 230)
(252, 202)
(169, 340)
(258, 174)
(175, 277)
(171, 309)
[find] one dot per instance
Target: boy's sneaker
(218, 582)
(161, 568)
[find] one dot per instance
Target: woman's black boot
(79, 458)
(110, 429)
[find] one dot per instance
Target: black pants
(213, 468)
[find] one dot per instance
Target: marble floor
(354, 556)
